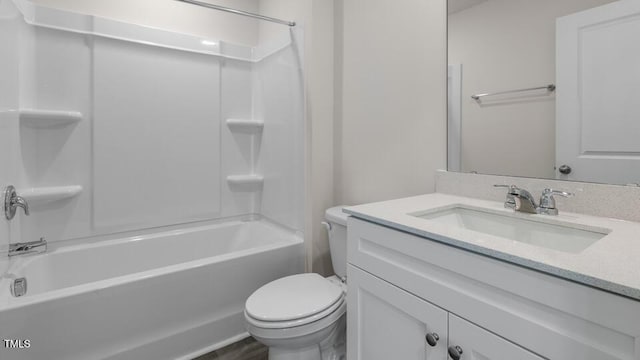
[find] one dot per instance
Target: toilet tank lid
(336, 215)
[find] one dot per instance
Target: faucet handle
(12, 201)
(510, 201)
(551, 192)
(548, 203)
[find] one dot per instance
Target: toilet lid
(293, 297)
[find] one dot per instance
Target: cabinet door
(385, 322)
(471, 342)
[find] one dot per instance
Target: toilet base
(331, 347)
(310, 353)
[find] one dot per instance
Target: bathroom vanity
(448, 277)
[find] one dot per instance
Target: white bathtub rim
(191, 228)
(78, 243)
(9, 302)
(54, 248)
(138, 235)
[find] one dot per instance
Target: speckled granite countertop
(611, 263)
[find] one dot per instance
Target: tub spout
(31, 247)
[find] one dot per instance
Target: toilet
(302, 317)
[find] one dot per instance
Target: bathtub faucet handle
(12, 202)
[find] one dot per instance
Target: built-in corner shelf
(245, 125)
(48, 118)
(42, 195)
(250, 182)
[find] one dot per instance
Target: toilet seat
(295, 332)
(293, 301)
(296, 322)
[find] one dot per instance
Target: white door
(385, 322)
(470, 342)
(598, 78)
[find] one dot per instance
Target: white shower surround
(148, 147)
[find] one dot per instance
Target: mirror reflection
(545, 89)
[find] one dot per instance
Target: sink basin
(558, 236)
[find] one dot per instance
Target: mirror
(545, 89)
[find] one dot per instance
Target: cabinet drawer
(555, 318)
(479, 344)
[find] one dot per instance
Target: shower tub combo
(137, 150)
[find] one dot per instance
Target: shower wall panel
(10, 29)
(278, 97)
(156, 136)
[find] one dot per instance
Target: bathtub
(168, 295)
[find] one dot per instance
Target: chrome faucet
(12, 202)
(31, 247)
(521, 200)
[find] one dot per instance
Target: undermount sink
(558, 236)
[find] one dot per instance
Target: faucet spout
(525, 202)
(519, 199)
(31, 247)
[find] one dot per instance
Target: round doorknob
(432, 339)
(455, 352)
(565, 169)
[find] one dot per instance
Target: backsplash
(612, 201)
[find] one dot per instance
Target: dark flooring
(247, 349)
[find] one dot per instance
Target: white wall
(412, 80)
(503, 45)
(392, 130)
(174, 16)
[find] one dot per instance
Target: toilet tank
(338, 239)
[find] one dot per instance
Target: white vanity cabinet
(404, 287)
(386, 322)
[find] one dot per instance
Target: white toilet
(302, 317)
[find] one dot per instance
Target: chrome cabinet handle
(432, 339)
(455, 352)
